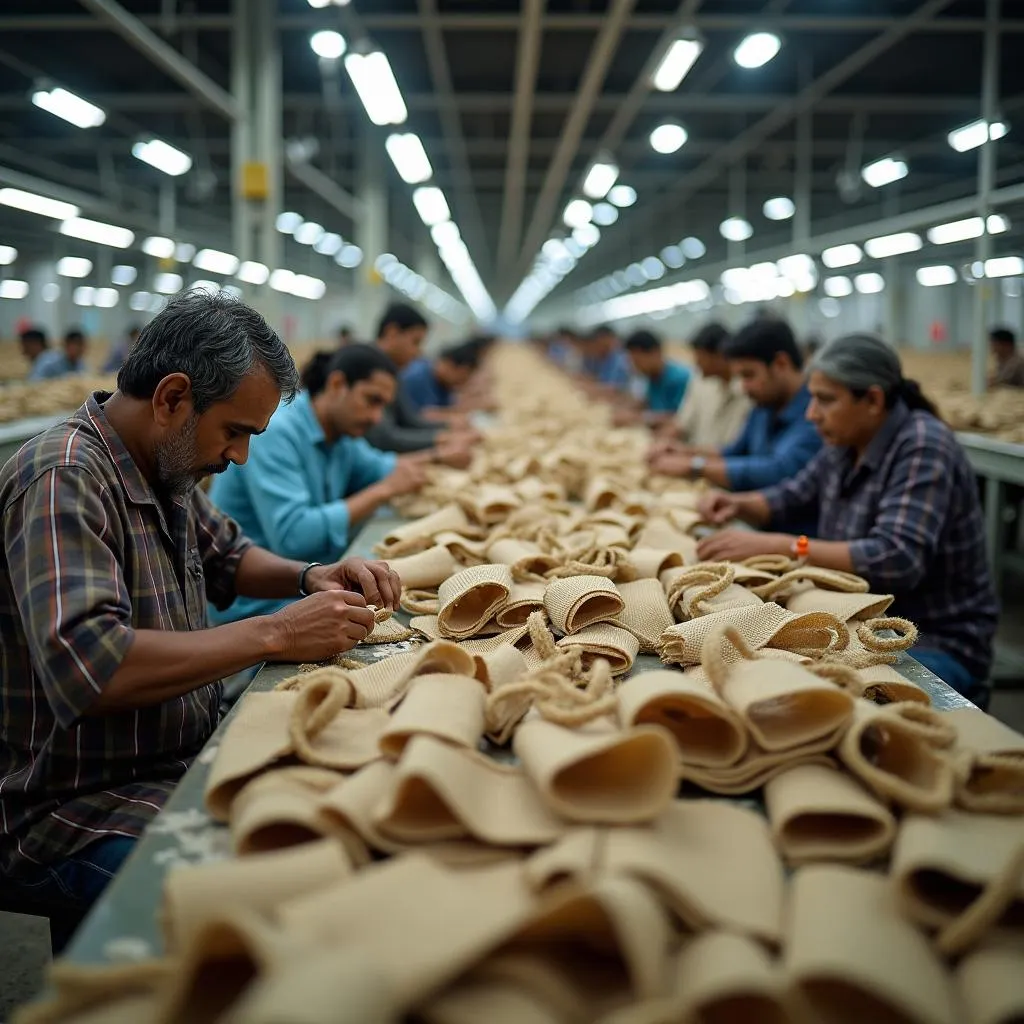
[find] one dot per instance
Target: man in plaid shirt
(109, 676)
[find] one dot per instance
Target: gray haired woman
(896, 502)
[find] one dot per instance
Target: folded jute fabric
(901, 752)
(523, 599)
(489, 503)
(351, 804)
(821, 814)
(650, 563)
(756, 768)
(712, 864)
(383, 683)
(798, 579)
(599, 773)
(499, 667)
(610, 643)
(580, 601)
(852, 956)
(469, 599)
(989, 763)
(465, 550)
(388, 631)
(259, 883)
(441, 792)
(884, 685)
(707, 730)
(646, 613)
(963, 874)
(496, 1001)
(409, 538)
(990, 984)
(843, 606)
(429, 568)
(659, 533)
(526, 560)
(448, 707)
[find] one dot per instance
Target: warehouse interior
(534, 171)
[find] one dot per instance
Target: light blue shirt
(52, 364)
(666, 393)
(289, 495)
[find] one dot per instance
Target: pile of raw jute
(512, 822)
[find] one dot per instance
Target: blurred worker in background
(662, 382)
(605, 369)
(564, 349)
(1009, 362)
(119, 353)
(345, 336)
(777, 441)
(312, 475)
(34, 344)
(896, 502)
(432, 386)
(51, 364)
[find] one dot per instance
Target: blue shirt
(613, 369)
(422, 388)
(773, 446)
(52, 364)
(911, 515)
(289, 496)
(666, 393)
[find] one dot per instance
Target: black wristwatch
(303, 592)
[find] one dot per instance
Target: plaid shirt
(91, 554)
(910, 511)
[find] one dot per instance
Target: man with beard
(109, 676)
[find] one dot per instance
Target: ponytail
(914, 398)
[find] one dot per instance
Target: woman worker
(896, 501)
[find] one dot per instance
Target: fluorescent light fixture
(892, 245)
(74, 266)
(210, 287)
(757, 49)
(830, 308)
(309, 233)
(934, 277)
(159, 247)
(328, 44)
(350, 256)
(184, 251)
(329, 244)
(65, 104)
(693, 248)
(97, 231)
(215, 262)
(842, 256)
(554, 248)
(375, 83)
(784, 288)
(431, 205)
(8, 254)
(32, 203)
(163, 156)
(106, 298)
(409, 157)
(653, 268)
(84, 295)
(1004, 266)
(140, 301)
(306, 287)
(884, 172)
(577, 213)
(287, 222)
(668, 138)
(123, 275)
(588, 235)
(970, 227)
(798, 265)
(600, 178)
(12, 289)
(869, 284)
(50, 292)
(622, 196)
(779, 208)
(253, 273)
(975, 134)
(605, 214)
(445, 233)
(282, 280)
(837, 287)
(232, 290)
(168, 284)
(672, 256)
(735, 229)
(679, 58)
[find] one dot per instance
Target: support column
(986, 183)
(371, 232)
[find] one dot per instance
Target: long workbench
(125, 922)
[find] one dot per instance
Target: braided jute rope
(829, 579)
(420, 602)
(558, 698)
(769, 563)
(878, 650)
(712, 579)
(712, 655)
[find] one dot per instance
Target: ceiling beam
(519, 145)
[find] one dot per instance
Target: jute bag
(580, 601)
(646, 613)
(429, 568)
(469, 599)
(448, 707)
(989, 763)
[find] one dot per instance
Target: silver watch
(697, 464)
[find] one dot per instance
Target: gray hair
(216, 341)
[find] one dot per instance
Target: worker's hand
(672, 463)
(718, 507)
(376, 581)
(408, 475)
(455, 454)
(467, 436)
(626, 418)
(322, 625)
(663, 446)
(736, 545)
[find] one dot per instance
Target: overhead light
(975, 134)
(375, 83)
(588, 235)
(168, 284)
(327, 3)
(668, 138)
(158, 247)
(779, 208)
(306, 287)
(12, 289)
(605, 214)
(892, 245)
(74, 266)
(232, 290)
(184, 251)
(837, 287)
(679, 58)
(1004, 266)
(622, 196)
(799, 270)
(431, 205)
(693, 248)
(577, 213)
(884, 172)
(83, 295)
(215, 262)
(784, 288)
(308, 233)
(8, 254)
(841, 256)
(409, 157)
(970, 227)
(97, 231)
(253, 273)
(933, 277)
(32, 203)
(123, 275)
(50, 292)
(653, 268)
(735, 229)
(163, 156)
(106, 298)
(210, 287)
(672, 256)
(282, 280)
(757, 49)
(445, 233)
(869, 284)
(635, 275)
(830, 308)
(328, 44)
(286, 223)
(329, 244)
(350, 256)
(140, 301)
(600, 178)
(62, 103)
